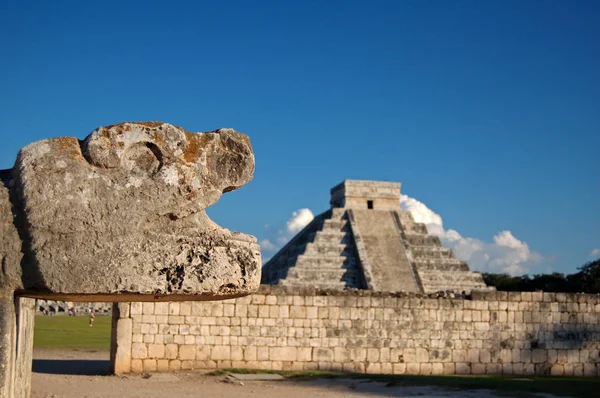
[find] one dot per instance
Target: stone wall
(361, 331)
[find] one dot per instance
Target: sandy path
(85, 368)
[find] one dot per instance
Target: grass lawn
(71, 332)
(509, 386)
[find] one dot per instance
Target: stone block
(478, 368)
(137, 366)
(135, 308)
(262, 354)
(463, 368)
(250, 354)
(517, 368)
(539, 356)
(422, 355)
(161, 308)
(589, 369)
(373, 355)
(147, 308)
(162, 365)
(203, 353)
(557, 370)
(241, 310)
(149, 365)
(263, 311)
(449, 369)
(322, 355)
(171, 351)
(179, 339)
(426, 369)
(156, 351)
(283, 353)
(413, 368)
(459, 355)
(528, 369)
(187, 365)
(187, 352)
(341, 355)
(304, 354)
(139, 351)
(174, 365)
(174, 308)
(185, 308)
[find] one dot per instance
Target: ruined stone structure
(365, 241)
(119, 216)
(291, 328)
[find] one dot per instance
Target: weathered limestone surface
(8, 321)
(24, 346)
(10, 242)
(119, 216)
(123, 212)
(10, 279)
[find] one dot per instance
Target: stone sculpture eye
(143, 158)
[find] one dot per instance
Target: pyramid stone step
(330, 249)
(324, 268)
(423, 240)
(451, 277)
(457, 281)
(431, 252)
(415, 228)
(338, 214)
(406, 217)
(428, 264)
(320, 284)
(324, 261)
(322, 275)
(332, 237)
(337, 225)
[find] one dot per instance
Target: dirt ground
(83, 373)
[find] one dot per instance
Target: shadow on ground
(71, 366)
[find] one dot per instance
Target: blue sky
(488, 112)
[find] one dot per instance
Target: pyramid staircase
(325, 258)
(436, 265)
(366, 242)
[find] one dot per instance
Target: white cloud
(278, 236)
(267, 245)
(300, 219)
(595, 252)
(505, 254)
(423, 214)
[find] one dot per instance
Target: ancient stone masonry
(291, 328)
(365, 241)
(119, 216)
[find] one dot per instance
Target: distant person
(92, 318)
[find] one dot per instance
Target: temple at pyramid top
(366, 241)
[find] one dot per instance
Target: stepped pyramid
(365, 241)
